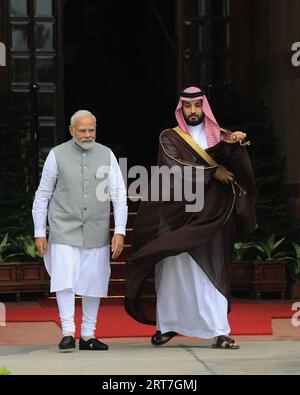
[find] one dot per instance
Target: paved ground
(138, 357)
(31, 348)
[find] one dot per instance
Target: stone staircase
(117, 283)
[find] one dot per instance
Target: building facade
(126, 62)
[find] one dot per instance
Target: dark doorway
(120, 64)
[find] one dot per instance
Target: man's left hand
(117, 245)
(237, 136)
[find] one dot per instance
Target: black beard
(193, 123)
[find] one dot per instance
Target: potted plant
(241, 269)
(4, 247)
(27, 248)
(27, 274)
(21, 270)
(295, 273)
(269, 267)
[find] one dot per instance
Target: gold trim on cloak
(206, 157)
(180, 161)
(196, 147)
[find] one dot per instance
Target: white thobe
(84, 270)
(187, 301)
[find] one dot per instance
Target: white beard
(85, 146)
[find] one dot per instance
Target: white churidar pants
(66, 306)
(82, 272)
(187, 301)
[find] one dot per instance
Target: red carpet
(245, 319)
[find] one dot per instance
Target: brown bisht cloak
(165, 229)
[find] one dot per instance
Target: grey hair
(81, 114)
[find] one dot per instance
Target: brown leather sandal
(225, 343)
(158, 339)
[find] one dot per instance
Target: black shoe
(92, 344)
(67, 343)
(158, 339)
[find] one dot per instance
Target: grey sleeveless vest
(76, 217)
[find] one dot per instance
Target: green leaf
(4, 371)
(4, 242)
(297, 249)
(278, 243)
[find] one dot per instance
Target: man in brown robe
(189, 252)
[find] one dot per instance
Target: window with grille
(204, 42)
(33, 58)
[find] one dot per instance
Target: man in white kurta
(77, 255)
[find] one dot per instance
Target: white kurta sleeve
(43, 195)
(118, 195)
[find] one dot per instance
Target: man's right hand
(223, 175)
(41, 245)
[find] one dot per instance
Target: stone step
(117, 283)
(117, 270)
(117, 288)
